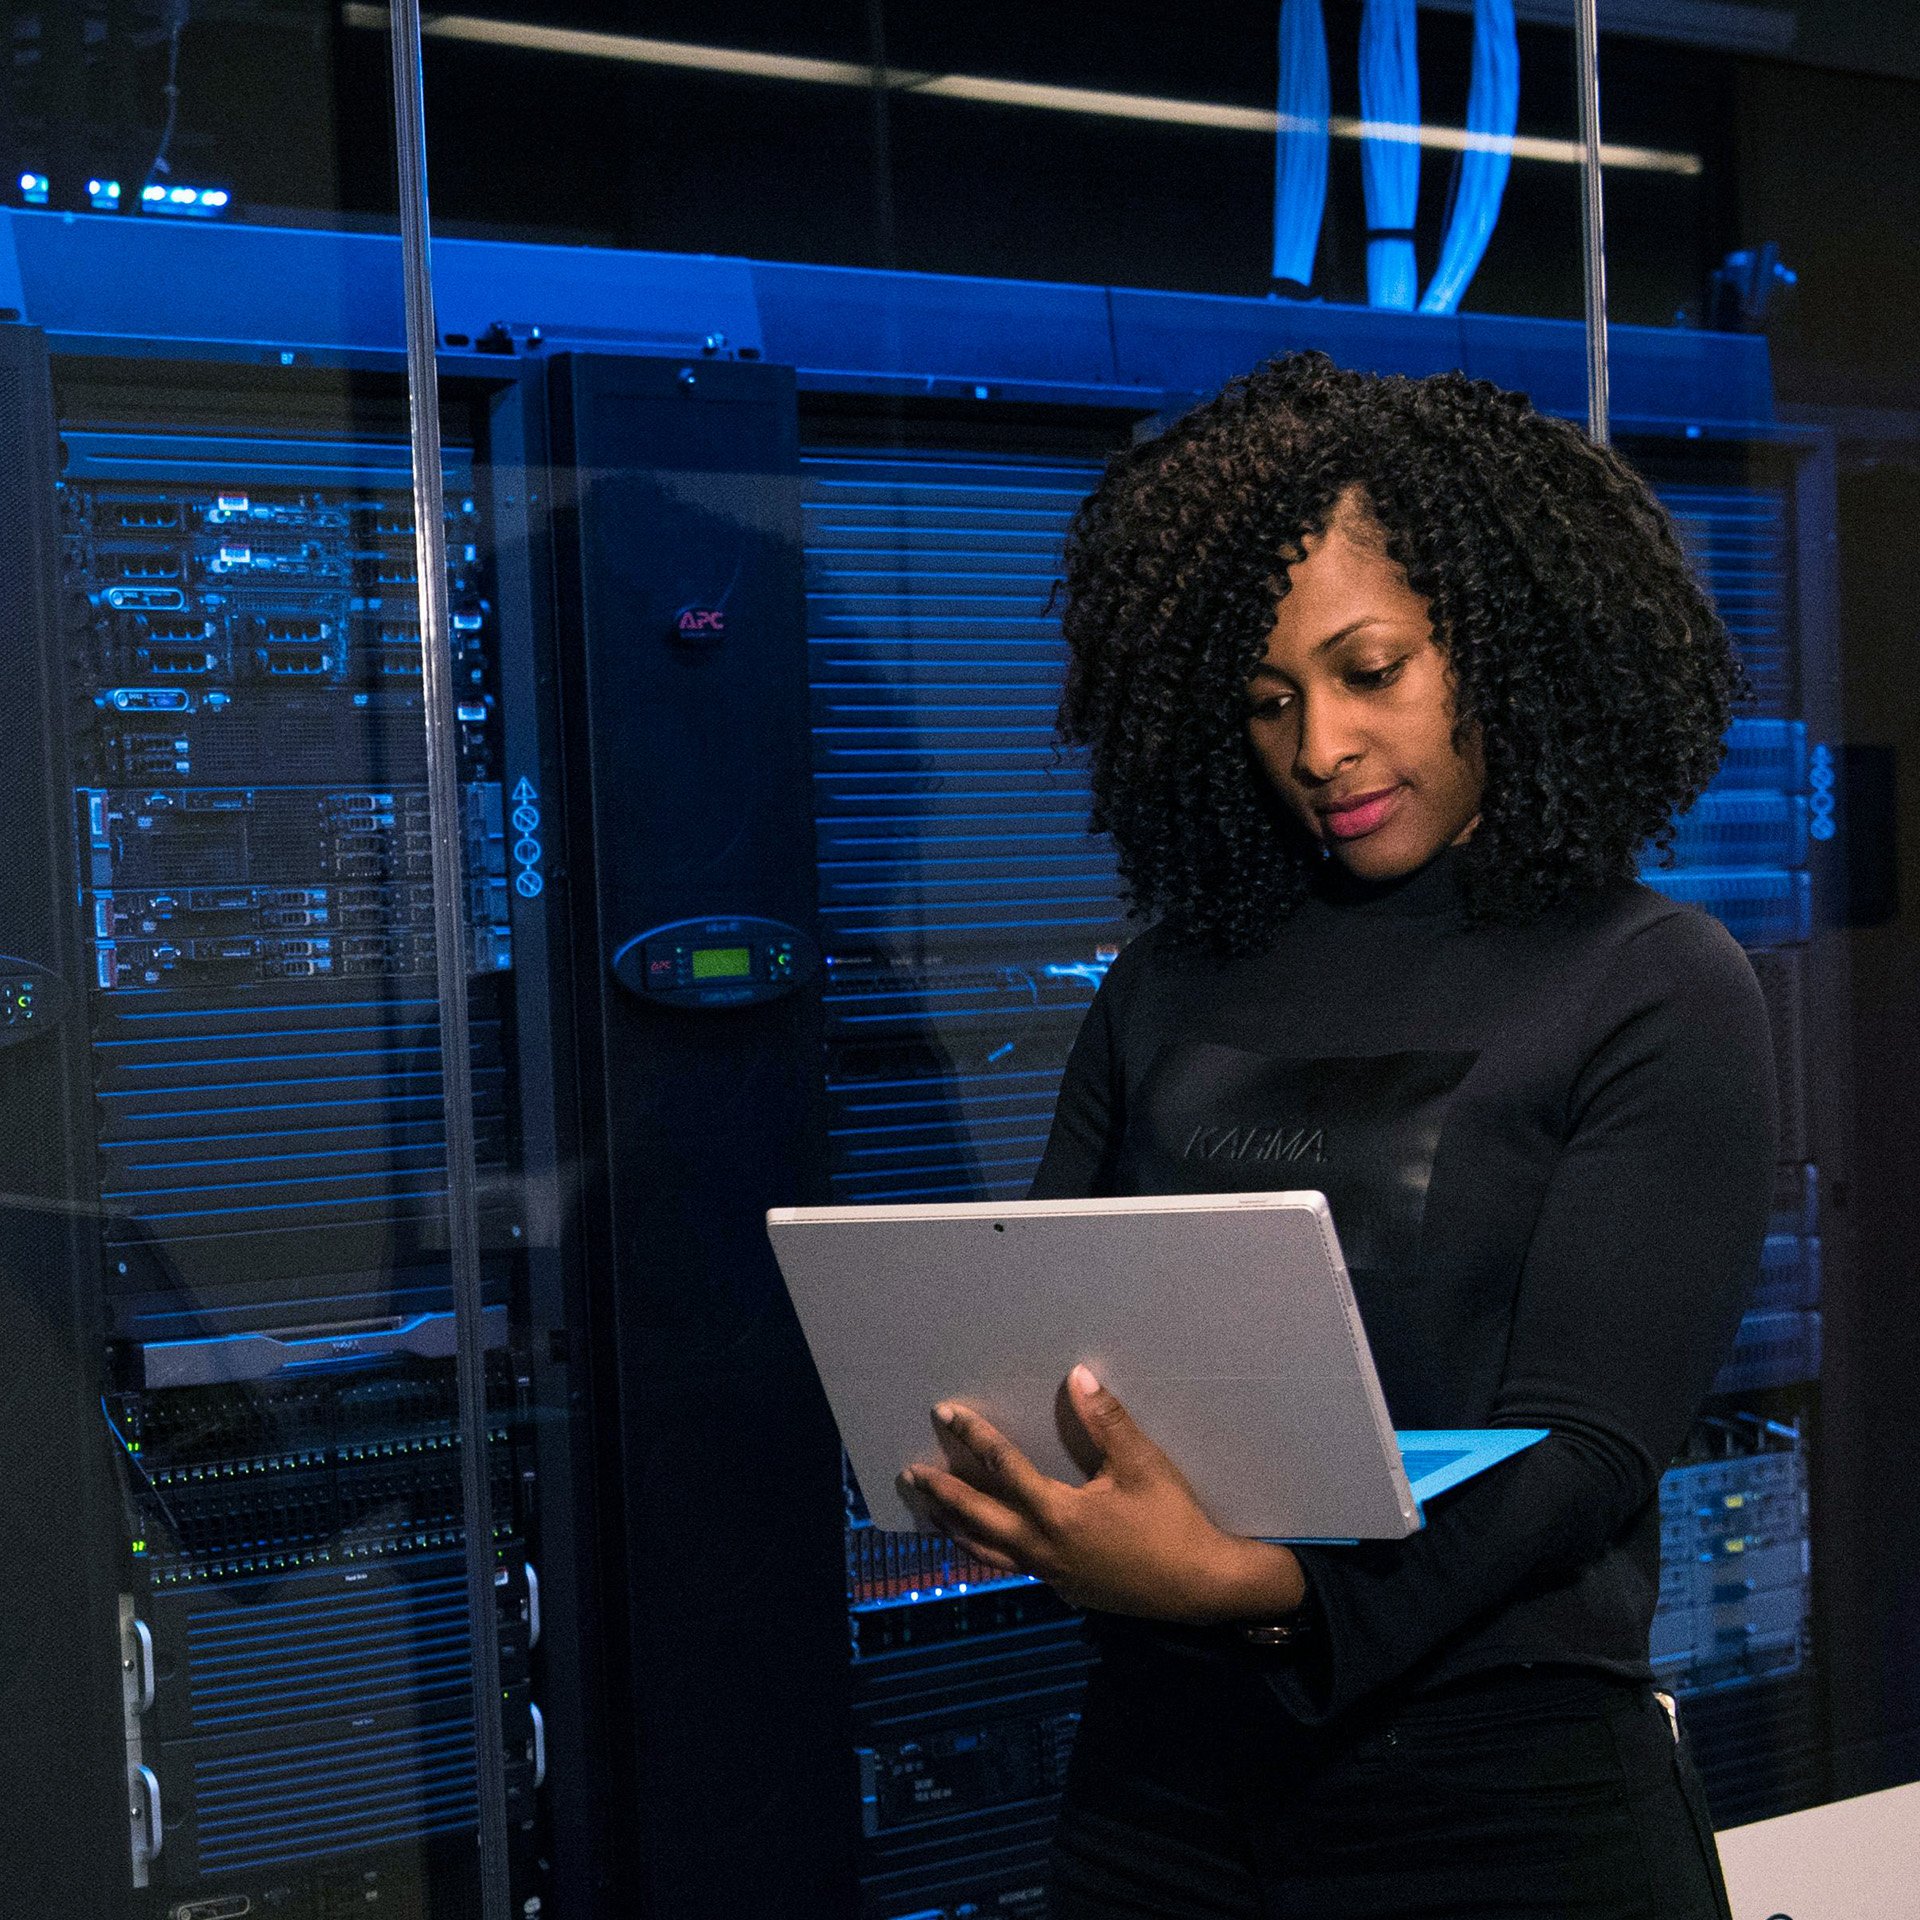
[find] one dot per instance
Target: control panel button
(30, 1000)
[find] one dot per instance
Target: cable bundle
(1493, 111)
(1390, 149)
(1300, 181)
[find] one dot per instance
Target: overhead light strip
(631, 47)
(635, 49)
(1111, 106)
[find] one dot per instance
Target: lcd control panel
(732, 961)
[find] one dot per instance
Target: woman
(1385, 683)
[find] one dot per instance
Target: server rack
(968, 917)
(227, 1024)
(671, 603)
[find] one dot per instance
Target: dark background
(1813, 144)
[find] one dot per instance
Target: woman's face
(1351, 711)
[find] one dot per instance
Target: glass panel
(1792, 491)
(792, 342)
(234, 1644)
(784, 347)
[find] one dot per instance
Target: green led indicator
(722, 963)
(139, 1546)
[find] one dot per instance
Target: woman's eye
(1267, 705)
(1368, 678)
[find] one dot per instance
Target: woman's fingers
(1081, 1446)
(984, 1457)
(994, 1502)
(1108, 1425)
(931, 1516)
(977, 1521)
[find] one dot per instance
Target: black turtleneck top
(1548, 1150)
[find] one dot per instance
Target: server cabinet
(1747, 1557)
(968, 916)
(682, 688)
(240, 1610)
(64, 1831)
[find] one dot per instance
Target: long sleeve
(1641, 1259)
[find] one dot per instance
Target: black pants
(1526, 1794)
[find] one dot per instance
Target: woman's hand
(1133, 1540)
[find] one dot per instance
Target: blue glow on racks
(968, 913)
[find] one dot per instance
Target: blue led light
(104, 195)
(200, 202)
(34, 188)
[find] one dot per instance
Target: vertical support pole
(449, 933)
(1592, 214)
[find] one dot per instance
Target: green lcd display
(722, 963)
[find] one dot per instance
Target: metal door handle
(156, 1826)
(533, 1607)
(143, 1635)
(539, 1746)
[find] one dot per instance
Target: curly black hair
(1582, 647)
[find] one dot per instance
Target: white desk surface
(1853, 1859)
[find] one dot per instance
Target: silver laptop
(1225, 1322)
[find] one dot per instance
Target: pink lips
(1362, 814)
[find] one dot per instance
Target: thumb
(1108, 1424)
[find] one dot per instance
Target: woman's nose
(1329, 742)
